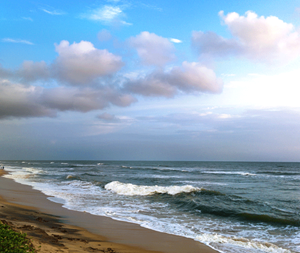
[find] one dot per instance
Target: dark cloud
(210, 43)
(32, 71)
(84, 100)
(17, 100)
(189, 78)
(5, 73)
(108, 117)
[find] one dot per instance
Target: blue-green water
(230, 206)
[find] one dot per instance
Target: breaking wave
(143, 190)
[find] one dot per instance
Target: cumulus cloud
(81, 63)
(258, 38)
(31, 71)
(189, 78)
(18, 100)
(153, 49)
(76, 64)
(86, 79)
(210, 43)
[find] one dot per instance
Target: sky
(150, 80)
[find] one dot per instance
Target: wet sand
(56, 229)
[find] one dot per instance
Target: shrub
(14, 242)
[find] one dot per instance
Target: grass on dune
(14, 242)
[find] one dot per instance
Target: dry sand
(56, 229)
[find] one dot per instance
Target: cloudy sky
(150, 80)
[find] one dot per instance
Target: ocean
(230, 206)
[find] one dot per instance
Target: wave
(211, 192)
(279, 173)
(241, 242)
(73, 177)
(143, 190)
(220, 207)
(268, 219)
(230, 173)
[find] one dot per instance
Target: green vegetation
(14, 242)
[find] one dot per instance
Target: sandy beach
(56, 229)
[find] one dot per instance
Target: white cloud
(148, 6)
(81, 63)
(28, 18)
(228, 75)
(153, 49)
(189, 78)
(53, 12)
(175, 40)
(17, 41)
(108, 15)
(224, 116)
(193, 76)
(257, 38)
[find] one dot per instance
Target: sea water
(229, 206)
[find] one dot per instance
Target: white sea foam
(131, 189)
(241, 242)
(230, 173)
(84, 165)
(33, 170)
(21, 175)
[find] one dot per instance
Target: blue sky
(159, 80)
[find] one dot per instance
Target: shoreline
(55, 228)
